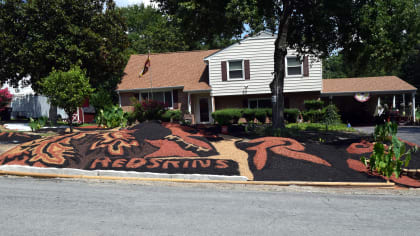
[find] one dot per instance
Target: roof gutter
(371, 92)
(148, 89)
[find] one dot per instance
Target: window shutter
(247, 72)
(305, 66)
(175, 98)
(224, 71)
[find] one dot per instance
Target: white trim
(287, 71)
(119, 98)
(228, 70)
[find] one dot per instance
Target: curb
(180, 178)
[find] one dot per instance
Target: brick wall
(126, 104)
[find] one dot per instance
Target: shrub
(131, 117)
(384, 131)
(314, 116)
(111, 117)
(331, 115)
(269, 112)
(389, 160)
(222, 117)
(175, 115)
(291, 115)
(235, 114)
(261, 115)
(5, 98)
(37, 124)
(249, 115)
(149, 110)
(313, 104)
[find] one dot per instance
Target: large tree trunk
(277, 84)
(53, 115)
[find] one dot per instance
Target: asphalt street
(71, 207)
(409, 133)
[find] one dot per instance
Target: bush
(111, 117)
(313, 104)
(37, 124)
(149, 110)
(175, 115)
(314, 116)
(131, 117)
(269, 112)
(261, 115)
(249, 115)
(5, 98)
(331, 115)
(291, 115)
(222, 117)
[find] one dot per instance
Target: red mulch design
(282, 146)
(360, 167)
(360, 148)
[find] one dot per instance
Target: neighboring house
(239, 76)
(25, 103)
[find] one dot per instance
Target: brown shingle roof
(177, 69)
(365, 84)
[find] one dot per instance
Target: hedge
(314, 116)
(291, 115)
(313, 104)
(176, 115)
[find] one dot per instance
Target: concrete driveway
(409, 133)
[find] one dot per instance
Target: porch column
(119, 98)
(189, 103)
(379, 101)
(213, 104)
(393, 101)
(413, 95)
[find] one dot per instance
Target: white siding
(260, 53)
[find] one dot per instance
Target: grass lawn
(319, 127)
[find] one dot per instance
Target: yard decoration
(67, 89)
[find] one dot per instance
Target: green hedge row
(232, 115)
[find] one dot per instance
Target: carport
(359, 99)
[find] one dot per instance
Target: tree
(67, 89)
(384, 34)
(37, 35)
(204, 24)
(312, 26)
(148, 29)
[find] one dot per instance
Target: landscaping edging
(37, 172)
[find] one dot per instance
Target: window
(236, 70)
(293, 66)
(259, 103)
(165, 97)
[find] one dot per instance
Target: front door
(204, 110)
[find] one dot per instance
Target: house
(200, 82)
(26, 103)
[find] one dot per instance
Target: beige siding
(260, 52)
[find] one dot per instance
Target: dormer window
(236, 70)
(293, 66)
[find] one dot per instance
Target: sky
(124, 3)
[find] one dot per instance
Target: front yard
(176, 149)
